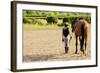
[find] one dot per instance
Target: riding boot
(66, 49)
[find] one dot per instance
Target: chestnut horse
(81, 30)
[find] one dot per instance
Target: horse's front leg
(76, 45)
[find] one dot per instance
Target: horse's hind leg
(76, 45)
(85, 44)
(85, 48)
(82, 43)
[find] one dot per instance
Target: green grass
(27, 27)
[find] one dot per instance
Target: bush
(39, 21)
(27, 20)
(88, 19)
(65, 19)
(51, 19)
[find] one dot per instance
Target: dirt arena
(47, 45)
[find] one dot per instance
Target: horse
(81, 31)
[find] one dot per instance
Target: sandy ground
(47, 45)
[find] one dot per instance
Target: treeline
(52, 17)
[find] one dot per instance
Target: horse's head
(74, 23)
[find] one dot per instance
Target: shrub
(39, 21)
(27, 20)
(51, 19)
(88, 19)
(65, 19)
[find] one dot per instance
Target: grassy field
(28, 27)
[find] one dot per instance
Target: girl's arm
(62, 35)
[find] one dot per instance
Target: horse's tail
(83, 29)
(83, 35)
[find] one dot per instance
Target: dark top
(65, 32)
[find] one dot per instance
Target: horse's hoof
(66, 52)
(84, 54)
(76, 53)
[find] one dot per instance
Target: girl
(66, 35)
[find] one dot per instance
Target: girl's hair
(65, 24)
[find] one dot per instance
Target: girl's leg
(66, 45)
